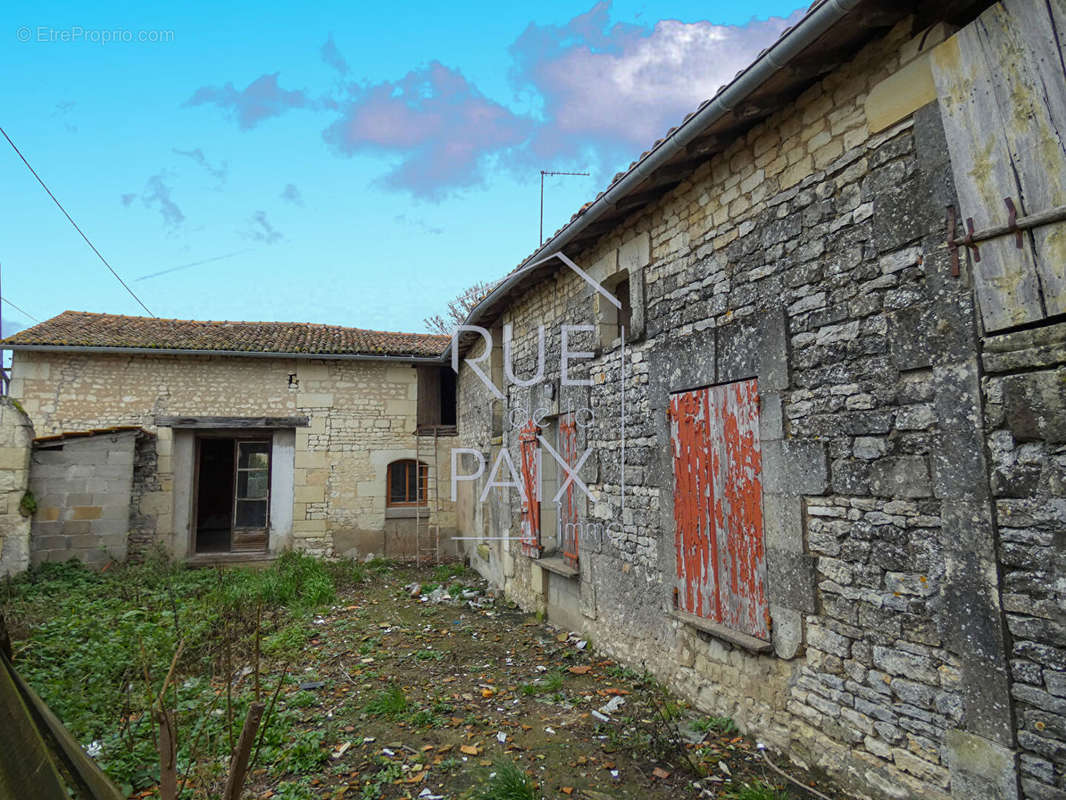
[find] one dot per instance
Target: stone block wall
(809, 254)
(1025, 390)
(83, 488)
(16, 437)
(361, 416)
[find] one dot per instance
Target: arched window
(406, 483)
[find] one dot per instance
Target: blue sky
(356, 164)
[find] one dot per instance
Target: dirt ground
(425, 699)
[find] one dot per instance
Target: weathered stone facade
(360, 416)
(16, 436)
(811, 255)
(1024, 385)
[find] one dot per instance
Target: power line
(72, 222)
(20, 310)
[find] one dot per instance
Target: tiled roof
(80, 329)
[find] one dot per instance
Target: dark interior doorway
(232, 494)
(214, 496)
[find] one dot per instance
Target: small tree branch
(168, 773)
(238, 767)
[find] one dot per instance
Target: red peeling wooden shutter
(721, 563)
(568, 522)
(529, 451)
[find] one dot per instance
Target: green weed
(507, 782)
(757, 790)
(425, 719)
(443, 573)
(390, 771)
(720, 725)
(390, 702)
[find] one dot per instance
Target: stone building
(779, 415)
(822, 436)
(221, 440)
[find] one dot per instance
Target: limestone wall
(16, 436)
(1025, 389)
(361, 416)
(810, 255)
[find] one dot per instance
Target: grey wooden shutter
(1001, 83)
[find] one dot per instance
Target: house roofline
(805, 33)
(167, 351)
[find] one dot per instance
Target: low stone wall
(16, 436)
(83, 488)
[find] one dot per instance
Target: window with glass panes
(407, 483)
(252, 498)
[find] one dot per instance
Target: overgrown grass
(96, 645)
(756, 790)
(390, 702)
(550, 683)
(720, 725)
(507, 782)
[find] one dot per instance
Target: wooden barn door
(721, 565)
(1001, 84)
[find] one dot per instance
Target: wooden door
(1001, 84)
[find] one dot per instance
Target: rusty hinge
(1012, 222)
(954, 242)
(1015, 225)
(675, 597)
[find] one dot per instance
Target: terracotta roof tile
(80, 329)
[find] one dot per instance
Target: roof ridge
(247, 322)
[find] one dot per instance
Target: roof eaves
(822, 15)
(171, 351)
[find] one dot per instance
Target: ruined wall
(810, 255)
(16, 437)
(82, 486)
(361, 417)
(1025, 388)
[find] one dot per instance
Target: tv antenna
(544, 172)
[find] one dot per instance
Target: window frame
(611, 320)
(421, 492)
(237, 470)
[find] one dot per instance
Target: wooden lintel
(227, 423)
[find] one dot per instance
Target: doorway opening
(232, 494)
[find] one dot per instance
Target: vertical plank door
(721, 562)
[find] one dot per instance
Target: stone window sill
(406, 512)
(559, 567)
(742, 640)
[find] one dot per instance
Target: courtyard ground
(381, 681)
